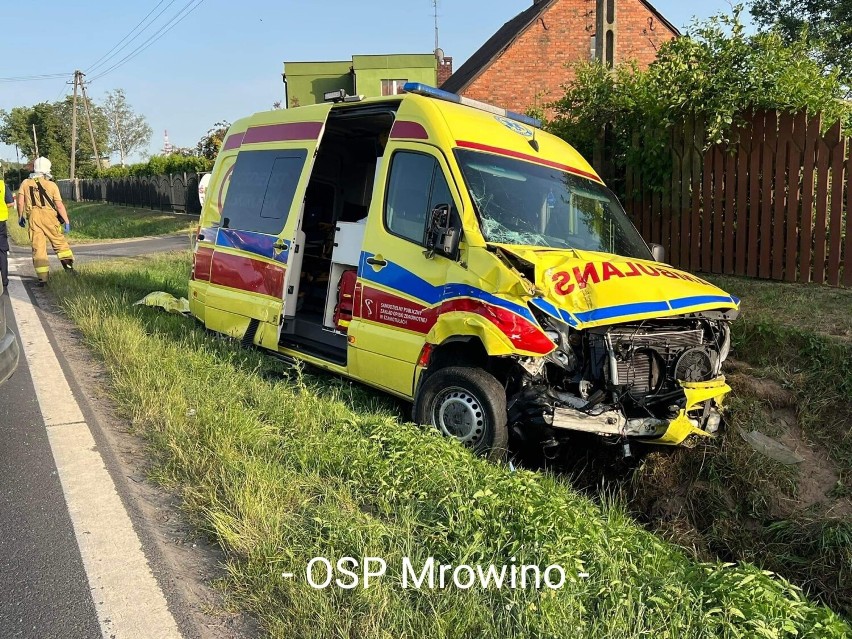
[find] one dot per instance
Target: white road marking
(128, 601)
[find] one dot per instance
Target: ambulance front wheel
(468, 404)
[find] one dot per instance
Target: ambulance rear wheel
(468, 404)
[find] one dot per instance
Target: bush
(717, 72)
(160, 165)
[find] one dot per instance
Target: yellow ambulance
(455, 255)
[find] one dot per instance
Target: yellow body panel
(598, 288)
(696, 394)
(417, 299)
(383, 353)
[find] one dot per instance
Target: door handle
(377, 262)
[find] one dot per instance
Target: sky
(223, 59)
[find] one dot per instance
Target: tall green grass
(17, 235)
(279, 467)
(816, 308)
(96, 221)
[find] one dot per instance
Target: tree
(825, 25)
(208, 146)
(716, 71)
(86, 165)
(53, 129)
(13, 172)
(17, 128)
(128, 131)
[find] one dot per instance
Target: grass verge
(280, 468)
(97, 222)
(794, 344)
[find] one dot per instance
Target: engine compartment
(629, 380)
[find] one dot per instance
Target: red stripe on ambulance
(286, 132)
(523, 334)
(529, 158)
(202, 264)
(403, 129)
(245, 274)
(233, 141)
(392, 310)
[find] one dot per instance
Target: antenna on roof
(435, 7)
(533, 142)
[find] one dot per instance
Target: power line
(163, 30)
(127, 35)
(175, 20)
(62, 92)
(109, 55)
(34, 78)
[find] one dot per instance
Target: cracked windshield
(528, 204)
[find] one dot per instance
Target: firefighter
(39, 202)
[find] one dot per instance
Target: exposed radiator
(639, 371)
(645, 355)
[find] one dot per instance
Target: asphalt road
(44, 586)
(45, 589)
(130, 248)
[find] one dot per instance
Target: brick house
(525, 63)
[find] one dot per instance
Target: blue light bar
(432, 92)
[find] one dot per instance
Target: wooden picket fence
(774, 203)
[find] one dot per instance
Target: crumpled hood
(588, 289)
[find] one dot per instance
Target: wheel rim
(458, 413)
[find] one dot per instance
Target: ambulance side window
(416, 185)
(262, 189)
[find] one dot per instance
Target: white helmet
(42, 165)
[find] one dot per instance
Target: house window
(392, 87)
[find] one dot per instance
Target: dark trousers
(4, 255)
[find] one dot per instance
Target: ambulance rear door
(257, 245)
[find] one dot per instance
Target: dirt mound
(765, 389)
(726, 500)
(818, 475)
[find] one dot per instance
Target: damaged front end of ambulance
(638, 354)
(638, 345)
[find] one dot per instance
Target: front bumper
(9, 354)
(700, 417)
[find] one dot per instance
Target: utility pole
(35, 141)
(77, 75)
(89, 120)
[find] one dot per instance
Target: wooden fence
(772, 204)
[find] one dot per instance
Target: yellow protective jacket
(4, 208)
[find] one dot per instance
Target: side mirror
(440, 235)
(658, 252)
